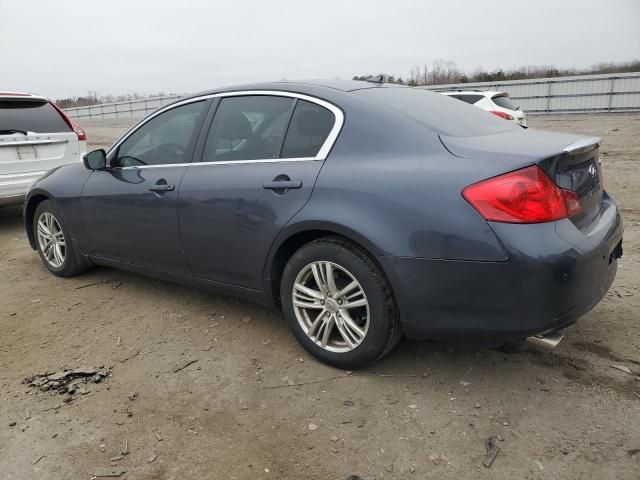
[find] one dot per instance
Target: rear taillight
(78, 130)
(504, 115)
(524, 196)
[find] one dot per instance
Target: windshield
(504, 102)
(443, 115)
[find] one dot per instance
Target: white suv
(35, 136)
(497, 103)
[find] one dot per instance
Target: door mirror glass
(96, 160)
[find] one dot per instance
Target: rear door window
(309, 128)
(249, 127)
(37, 116)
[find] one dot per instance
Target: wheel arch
(29, 213)
(294, 237)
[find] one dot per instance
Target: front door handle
(282, 184)
(162, 188)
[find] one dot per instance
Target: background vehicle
(365, 211)
(35, 136)
(497, 103)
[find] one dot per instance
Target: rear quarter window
(438, 113)
(31, 116)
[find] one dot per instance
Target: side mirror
(95, 160)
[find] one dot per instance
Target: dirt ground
(237, 412)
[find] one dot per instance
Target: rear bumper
(13, 187)
(555, 274)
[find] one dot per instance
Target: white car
(497, 103)
(35, 136)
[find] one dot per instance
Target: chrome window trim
(321, 155)
(226, 162)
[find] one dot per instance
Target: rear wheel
(57, 251)
(338, 303)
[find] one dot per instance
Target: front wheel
(55, 246)
(338, 303)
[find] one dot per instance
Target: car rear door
(130, 209)
(34, 138)
(260, 160)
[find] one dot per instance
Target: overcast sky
(67, 47)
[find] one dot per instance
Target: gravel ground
(205, 386)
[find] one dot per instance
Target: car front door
(260, 161)
(130, 208)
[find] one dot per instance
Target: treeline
(444, 71)
(93, 98)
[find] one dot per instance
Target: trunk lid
(572, 161)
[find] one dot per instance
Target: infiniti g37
(364, 211)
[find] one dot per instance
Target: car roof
(486, 93)
(311, 87)
(17, 95)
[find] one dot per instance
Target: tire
(63, 259)
(369, 305)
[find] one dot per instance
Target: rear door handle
(162, 188)
(282, 184)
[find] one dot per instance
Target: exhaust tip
(547, 341)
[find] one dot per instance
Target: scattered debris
(158, 436)
(133, 396)
(435, 458)
(313, 427)
(464, 384)
(413, 406)
(117, 285)
(116, 458)
(126, 359)
(118, 341)
(125, 450)
(66, 382)
(152, 457)
(247, 320)
(101, 282)
(190, 362)
(622, 368)
(492, 451)
(538, 464)
(333, 438)
(633, 451)
(108, 472)
(477, 405)
(349, 374)
(12, 423)
(39, 458)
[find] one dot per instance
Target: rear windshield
(504, 102)
(468, 98)
(31, 116)
(446, 116)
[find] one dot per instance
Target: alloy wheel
(331, 306)
(51, 240)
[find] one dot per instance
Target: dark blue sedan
(364, 211)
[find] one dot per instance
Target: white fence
(586, 93)
(580, 94)
(132, 109)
